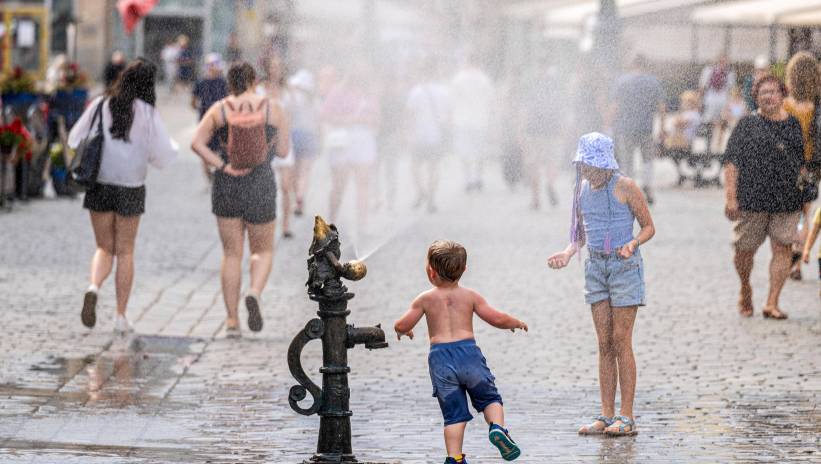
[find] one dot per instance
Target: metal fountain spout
(332, 401)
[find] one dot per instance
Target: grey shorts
(610, 277)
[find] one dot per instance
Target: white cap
(762, 62)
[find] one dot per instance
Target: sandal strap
(608, 421)
(625, 422)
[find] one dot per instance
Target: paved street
(711, 387)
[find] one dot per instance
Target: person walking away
(274, 87)
(457, 366)
(243, 197)
(605, 206)
(428, 109)
(206, 93)
(185, 64)
(543, 135)
(638, 97)
(472, 99)
(169, 55)
(803, 81)
(390, 140)
(305, 132)
(134, 137)
(767, 144)
(715, 83)
(351, 111)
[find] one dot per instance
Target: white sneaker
(122, 326)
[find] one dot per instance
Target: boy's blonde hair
(448, 259)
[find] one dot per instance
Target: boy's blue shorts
(457, 368)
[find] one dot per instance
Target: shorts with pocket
(754, 227)
(123, 201)
(458, 369)
(607, 276)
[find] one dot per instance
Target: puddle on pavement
(103, 405)
(136, 371)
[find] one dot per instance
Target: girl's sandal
(626, 428)
(592, 429)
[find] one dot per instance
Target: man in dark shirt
(637, 98)
(206, 93)
(211, 89)
(762, 162)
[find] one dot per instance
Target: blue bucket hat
(596, 149)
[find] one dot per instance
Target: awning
(578, 13)
(760, 13)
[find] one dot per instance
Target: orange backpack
(247, 139)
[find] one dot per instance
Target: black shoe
(254, 316)
(89, 313)
(287, 234)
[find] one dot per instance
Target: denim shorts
(608, 276)
(457, 369)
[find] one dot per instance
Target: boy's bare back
(449, 313)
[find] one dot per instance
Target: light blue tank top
(606, 219)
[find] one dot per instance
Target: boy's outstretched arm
(405, 324)
(494, 317)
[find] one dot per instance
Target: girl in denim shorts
(605, 205)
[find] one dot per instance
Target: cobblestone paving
(711, 387)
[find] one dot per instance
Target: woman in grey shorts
(243, 199)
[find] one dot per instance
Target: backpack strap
(222, 109)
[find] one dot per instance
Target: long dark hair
(137, 81)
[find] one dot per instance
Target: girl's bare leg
(261, 243)
(103, 260)
(232, 234)
(623, 319)
(608, 373)
(125, 234)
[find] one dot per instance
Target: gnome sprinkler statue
(331, 402)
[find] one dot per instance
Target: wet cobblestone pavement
(711, 387)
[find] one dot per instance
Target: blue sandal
(500, 438)
(590, 428)
(626, 429)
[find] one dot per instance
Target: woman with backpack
(244, 193)
(134, 136)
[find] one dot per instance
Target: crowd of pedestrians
(258, 138)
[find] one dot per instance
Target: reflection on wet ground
(118, 391)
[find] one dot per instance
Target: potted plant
(17, 88)
(15, 139)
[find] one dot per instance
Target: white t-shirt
(472, 98)
(428, 107)
(125, 163)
